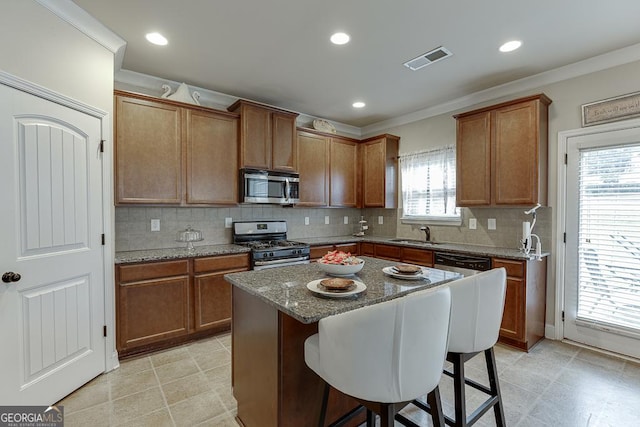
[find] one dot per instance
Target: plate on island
(319, 289)
(391, 271)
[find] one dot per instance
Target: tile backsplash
(507, 234)
(133, 224)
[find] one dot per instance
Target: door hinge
(566, 158)
(564, 237)
(562, 317)
(104, 331)
(102, 145)
(103, 239)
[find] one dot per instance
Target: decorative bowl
(341, 269)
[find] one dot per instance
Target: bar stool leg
(498, 410)
(323, 408)
(435, 406)
(458, 386)
(371, 418)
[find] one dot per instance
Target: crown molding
(77, 17)
(577, 69)
(132, 81)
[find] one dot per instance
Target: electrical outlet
(380, 220)
(155, 225)
(491, 224)
(228, 222)
(346, 220)
(473, 223)
(306, 220)
(326, 219)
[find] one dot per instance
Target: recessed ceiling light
(156, 38)
(340, 38)
(510, 46)
(358, 104)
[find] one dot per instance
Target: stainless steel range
(269, 245)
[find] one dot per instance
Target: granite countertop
(285, 288)
(127, 257)
(447, 247)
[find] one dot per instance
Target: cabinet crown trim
(544, 99)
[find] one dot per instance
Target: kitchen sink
(422, 242)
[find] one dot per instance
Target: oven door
(262, 265)
(269, 187)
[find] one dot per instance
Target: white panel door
(52, 317)
(602, 267)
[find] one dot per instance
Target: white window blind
(609, 238)
(429, 185)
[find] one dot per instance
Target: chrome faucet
(427, 232)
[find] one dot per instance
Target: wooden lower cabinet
(161, 304)
(525, 302)
(318, 251)
(398, 253)
(271, 381)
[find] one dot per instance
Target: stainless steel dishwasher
(467, 265)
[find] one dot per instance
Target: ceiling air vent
(428, 58)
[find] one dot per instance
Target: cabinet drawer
(152, 270)
(348, 247)
(221, 262)
(367, 249)
(388, 252)
(316, 252)
(514, 268)
(418, 256)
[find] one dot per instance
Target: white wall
(43, 49)
(564, 114)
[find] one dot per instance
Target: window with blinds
(429, 186)
(609, 239)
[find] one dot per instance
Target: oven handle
(287, 189)
(281, 261)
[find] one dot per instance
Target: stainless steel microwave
(261, 186)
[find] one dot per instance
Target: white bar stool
(383, 355)
(477, 303)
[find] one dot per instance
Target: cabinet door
(367, 248)
(151, 311)
(473, 160)
(417, 256)
(516, 149)
(212, 158)
(373, 180)
(212, 297)
(148, 153)
(255, 138)
(313, 160)
(343, 173)
(513, 320)
(284, 144)
(390, 252)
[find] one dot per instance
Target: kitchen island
(273, 314)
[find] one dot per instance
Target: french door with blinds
(602, 274)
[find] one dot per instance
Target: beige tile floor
(554, 385)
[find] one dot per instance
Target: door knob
(10, 276)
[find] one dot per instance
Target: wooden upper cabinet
(170, 153)
(343, 172)
(313, 162)
(212, 158)
(379, 159)
(148, 151)
(502, 154)
(473, 158)
(267, 137)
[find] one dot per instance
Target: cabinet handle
(10, 277)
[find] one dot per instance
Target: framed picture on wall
(611, 109)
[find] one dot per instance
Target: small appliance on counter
(189, 236)
(269, 245)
